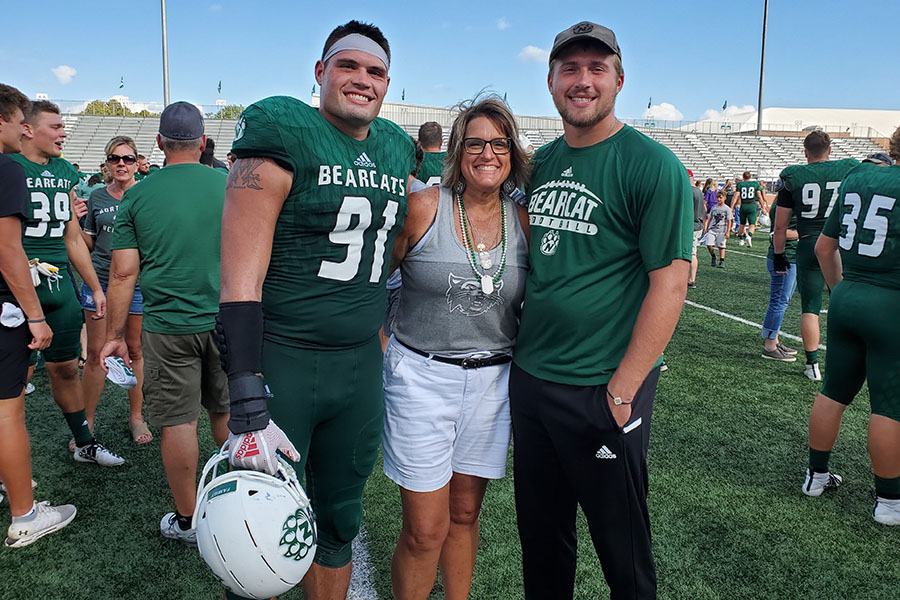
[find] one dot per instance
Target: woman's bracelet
(41, 320)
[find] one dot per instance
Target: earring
(460, 187)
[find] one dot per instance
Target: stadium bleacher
(720, 156)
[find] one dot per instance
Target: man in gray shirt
(699, 214)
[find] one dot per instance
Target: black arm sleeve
(239, 330)
(785, 198)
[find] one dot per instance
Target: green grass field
(727, 456)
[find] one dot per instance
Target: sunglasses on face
(476, 145)
(128, 159)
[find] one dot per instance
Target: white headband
(357, 41)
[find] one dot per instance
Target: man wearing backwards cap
(167, 230)
(313, 204)
(611, 219)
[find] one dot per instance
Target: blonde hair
(495, 109)
(895, 145)
(121, 140)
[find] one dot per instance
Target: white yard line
(746, 322)
(729, 251)
(362, 586)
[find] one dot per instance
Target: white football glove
(256, 449)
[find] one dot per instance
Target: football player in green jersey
(431, 138)
(859, 252)
(810, 190)
(313, 204)
(611, 217)
(749, 196)
(54, 237)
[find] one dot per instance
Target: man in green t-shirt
(611, 218)
(167, 229)
(749, 195)
(53, 236)
(431, 138)
(859, 252)
(810, 192)
(313, 204)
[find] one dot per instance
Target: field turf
(727, 457)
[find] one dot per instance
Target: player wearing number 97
(859, 251)
(53, 236)
(809, 191)
(312, 207)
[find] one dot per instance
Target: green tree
(231, 111)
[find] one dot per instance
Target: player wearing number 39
(859, 251)
(313, 204)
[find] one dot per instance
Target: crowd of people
(368, 291)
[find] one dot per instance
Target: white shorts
(714, 238)
(697, 235)
(441, 419)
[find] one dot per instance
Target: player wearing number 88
(863, 341)
(313, 204)
(809, 191)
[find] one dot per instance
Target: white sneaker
(887, 512)
(95, 452)
(749, 241)
(812, 371)
(169, 528)
(816, 483)
(47, 519)
(29, 388)
(741, 242)
(119, 373)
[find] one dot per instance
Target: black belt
(469, 362)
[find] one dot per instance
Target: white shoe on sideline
(817, 483)
(812, 371)
(47, 519)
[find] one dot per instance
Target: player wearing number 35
(312, 206)
(859, 251)
(446, 369)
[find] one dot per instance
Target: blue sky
(691, 55)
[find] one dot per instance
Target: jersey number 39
(41, 210)
(353, 237)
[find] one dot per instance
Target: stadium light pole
(165, 53)
(762, 66)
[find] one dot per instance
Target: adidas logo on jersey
(567, 173)
(605, 452)
(364, 161)
(46, 173)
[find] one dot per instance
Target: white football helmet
(257, 532)
(764, 220)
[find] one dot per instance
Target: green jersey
(174, 220)
(602, 218)
(49, 208)
(866, 222)
(431, 168)
(746, 192)
(325, 286)
(814, 189)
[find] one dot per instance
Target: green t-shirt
(333, 239)
(746, 192)
(866, 222)
(790, 246)
(602, 218)
(174, 219)
(98, 223)
(49, 208)
(814, 189)
(431, 168)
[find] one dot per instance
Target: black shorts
(14, 354)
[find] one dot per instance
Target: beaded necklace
(487, 282)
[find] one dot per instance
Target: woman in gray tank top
(463, 255)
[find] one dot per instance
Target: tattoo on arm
(243, 175)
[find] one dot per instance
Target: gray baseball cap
(879, 158)
(181, 121)
(585, 31)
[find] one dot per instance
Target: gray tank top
(443, 309)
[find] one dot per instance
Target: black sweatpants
(568, 450)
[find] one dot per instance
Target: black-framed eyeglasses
(474, 145)
(128, 159)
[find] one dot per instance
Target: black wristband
(239, 331)
(41, 320)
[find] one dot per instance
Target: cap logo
(582, 28)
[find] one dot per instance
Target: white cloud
(663, 111)
(64, 73)
(214, 8)
(711, 114)
(503, 23)
(534, 54)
